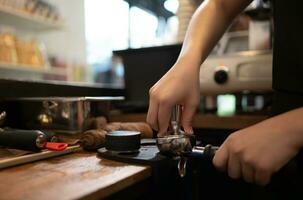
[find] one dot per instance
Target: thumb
(187, 116)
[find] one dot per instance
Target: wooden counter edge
(118, 186)
(208, 121)
(79, 174)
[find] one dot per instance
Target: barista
(257, 152)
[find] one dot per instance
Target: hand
(257, 152)
(180, 85)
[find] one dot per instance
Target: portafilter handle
(176, 119)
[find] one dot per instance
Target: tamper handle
(176, 119)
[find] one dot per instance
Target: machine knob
(221, 76)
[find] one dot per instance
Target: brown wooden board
(75, 176)
(13, 157)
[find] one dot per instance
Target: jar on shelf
(7, 47)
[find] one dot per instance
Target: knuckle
(152, 92)
(164, 101)
(236, 150)
(247, 159)
(231, 138)
(263, 167)
(234, 145)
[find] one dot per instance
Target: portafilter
(176, 142)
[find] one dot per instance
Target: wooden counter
(78, 175)
(208, 121)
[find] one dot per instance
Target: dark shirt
(288, 55)
(288, 72)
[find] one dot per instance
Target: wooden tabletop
(208, 121)
(78, 175)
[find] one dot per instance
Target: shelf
(25, 21)
(20, 88)
(33, 69)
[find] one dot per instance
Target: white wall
(68, 43)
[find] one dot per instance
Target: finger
(262, 177)
(164, 114)
(187, 116)
(221, 157)
(234, 167)
(248, 173)
(152, 115)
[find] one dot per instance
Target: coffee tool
(175, 142)
(181, 146)
(30, 140)
(122, 141)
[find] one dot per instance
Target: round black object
(221, 76)
(123, 141)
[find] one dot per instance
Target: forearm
(206, 27)
(289, 124)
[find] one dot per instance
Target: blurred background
(130, 44)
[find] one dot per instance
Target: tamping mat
(148, 154)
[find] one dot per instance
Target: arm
(180, 85)
(207, 25)
(257, 152)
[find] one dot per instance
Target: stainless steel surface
(41, 140)
(71, 99)
(182, 166)
(176, 143)
(208, 150)
(179, 145)
(69, 115)
(198, 149)
(247, 70)
(176, 119)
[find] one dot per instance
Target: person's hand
(180, 85)
(257, 152)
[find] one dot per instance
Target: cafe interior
(75, 78)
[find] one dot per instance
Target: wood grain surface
(78, 175)
(210, 121)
